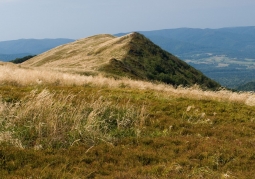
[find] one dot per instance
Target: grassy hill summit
(131, 55)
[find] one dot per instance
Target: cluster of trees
(21, 60)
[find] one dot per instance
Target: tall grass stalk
(49, 120)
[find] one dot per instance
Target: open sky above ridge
(81, 18)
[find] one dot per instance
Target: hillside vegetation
(132, 56)
(60, 125)
(225, 55)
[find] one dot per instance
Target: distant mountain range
(10, 50)
(237, 42)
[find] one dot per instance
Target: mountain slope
(132, 55)
(237, 42)
(145, 60)
(225, 55)
(87, 54)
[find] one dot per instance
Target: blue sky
(82, 18)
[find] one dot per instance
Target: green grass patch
(100, 132)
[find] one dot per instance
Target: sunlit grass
(14, 75)
(67, 127)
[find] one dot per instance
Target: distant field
(221, 61)
(229, 72)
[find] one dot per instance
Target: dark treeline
(21, 60)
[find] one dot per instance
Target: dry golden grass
(10, 73)
(60, 125)
(87, 54)
(45, 119)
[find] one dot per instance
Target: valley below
(229, 72)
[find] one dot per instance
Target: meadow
(63, 125)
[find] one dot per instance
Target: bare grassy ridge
(87, 54)
(60, 125)
(132, 56)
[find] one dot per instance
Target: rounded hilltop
(132, 55)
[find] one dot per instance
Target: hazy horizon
(34, 19)
(119, 33)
